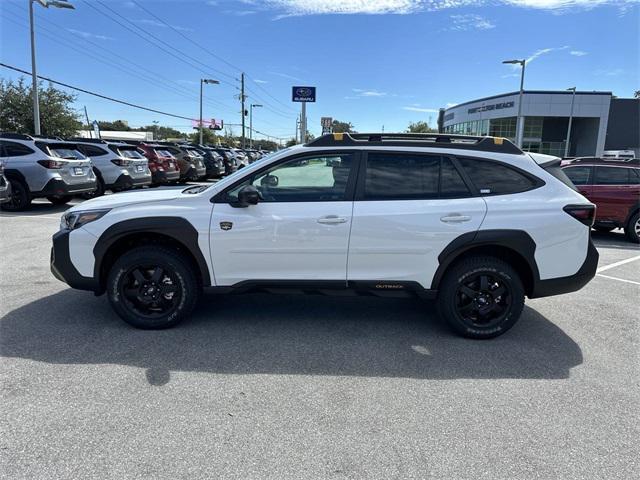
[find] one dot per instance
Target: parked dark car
(229, 159)
(213, 162)
(614, 186)
(164, 166)
(189, 160)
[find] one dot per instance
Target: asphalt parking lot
(292, 387)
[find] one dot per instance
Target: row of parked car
(58, 169)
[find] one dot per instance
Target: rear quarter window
(495, 178)
(579, 175)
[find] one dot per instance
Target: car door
(408, 208)
(299, 230)
(614, 192)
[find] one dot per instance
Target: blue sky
(375, 63)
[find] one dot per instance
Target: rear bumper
(164, 177)
(125, 181)
(55, 187)
(62, 267)
(572, 283)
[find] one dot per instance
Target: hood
(129, 198)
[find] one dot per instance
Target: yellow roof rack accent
(338, 137)
(498, 140)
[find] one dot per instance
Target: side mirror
(270, 181)
(248, 195)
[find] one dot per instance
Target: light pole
(251, 123)
(202, 82)
(519, 120)
(573, 99)
(34, 75)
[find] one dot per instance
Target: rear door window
(579, 175)
(612, 176)
(451, 183)
(393, 176)
(494, 178)
(12, 149)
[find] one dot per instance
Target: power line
(99, 95)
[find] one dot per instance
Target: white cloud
(288, 77)
(420, 109)
(578, 53)
(369, 93)
(257, 80)
(155, 23)
(82, 34)
(291, 8)
(614, 72)
(470, 22)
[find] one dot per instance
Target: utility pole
(242, 99)
(251, 122)
(303, 124)
(519, 119)
(88, 123)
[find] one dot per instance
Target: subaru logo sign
(303, 94)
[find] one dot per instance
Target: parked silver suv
(43, 167)
(118, 166)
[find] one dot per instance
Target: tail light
(54, 164)
(121, 162)
(585, 214)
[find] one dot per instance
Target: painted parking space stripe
(618, 279)
(617, 264)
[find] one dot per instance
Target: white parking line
(619, 279)
(617, 264)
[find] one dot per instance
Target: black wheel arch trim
(176, 228)
(13, 174)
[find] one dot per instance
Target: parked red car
(614, 186)
(164, 166)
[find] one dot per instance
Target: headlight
(73, 220)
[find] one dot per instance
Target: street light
(251, 123)
(573, 99)
(519, 120)
(34, 75)
(208, 81)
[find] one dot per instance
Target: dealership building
(599, 121)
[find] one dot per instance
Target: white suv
(470, 221)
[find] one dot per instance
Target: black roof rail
(88, 140)
(463, 142)
(49, 137)
(15, 136)
(606, 161)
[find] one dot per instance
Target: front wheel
(59, 199)
(153, 289)
(481, 297)
(633, 228)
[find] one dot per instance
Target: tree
(420, 127)
(160, 132)
(116, 125)
(57, 117)
(341, 127)
(291, 142)
(208, 137)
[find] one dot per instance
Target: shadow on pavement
(613, 239)
(297, 335)
(40, 208)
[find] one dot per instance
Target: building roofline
(543, 92)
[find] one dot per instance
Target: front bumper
(572, 283)
(56, 186)
(62, 267)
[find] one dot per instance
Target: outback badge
(226, 225)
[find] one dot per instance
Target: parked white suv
(470, 221)
(43, 167)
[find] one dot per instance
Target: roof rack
(15, 136)
(463, 142)
(606, 161)
(87, 140)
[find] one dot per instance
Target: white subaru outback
(470, 221)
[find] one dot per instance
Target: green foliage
(341, 127)
(290, 143)
(208, 137)
(420, 127)
(116, 125)
(57, 116)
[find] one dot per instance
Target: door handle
(455, 218)
(331, 220)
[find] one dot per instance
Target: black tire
(481, 297)
(20, 197)
(59, 199)
(633, 228)
(603, 229)
(149, 300)
(98, 192)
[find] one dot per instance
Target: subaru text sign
(303, 94)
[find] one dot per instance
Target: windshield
(67, 152)
(129, 153)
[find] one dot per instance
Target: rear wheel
(481, 297)
(633, 228)
(59, 199)
(20, 197)
(153, 289)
